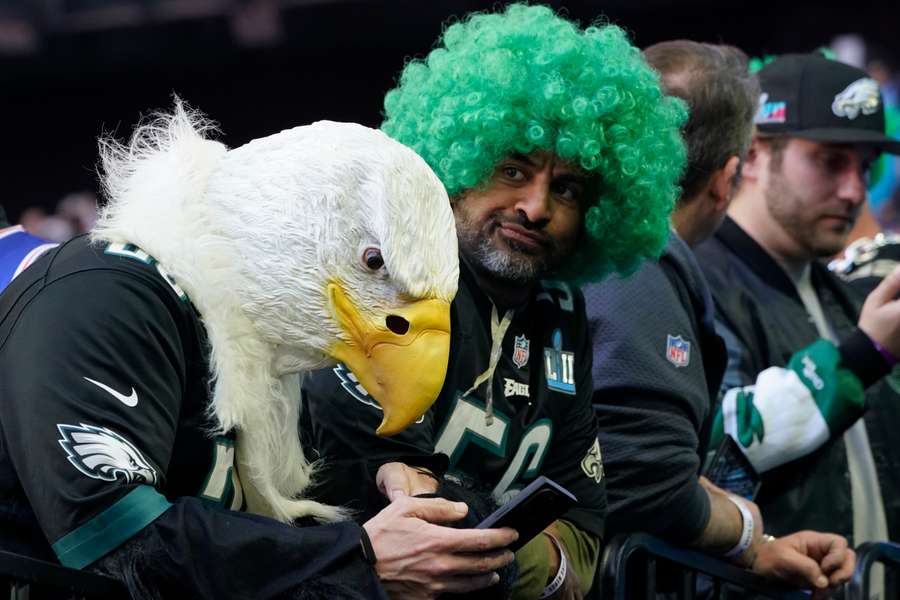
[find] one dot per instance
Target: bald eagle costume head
(324, 243)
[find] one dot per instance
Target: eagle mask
(324, 243)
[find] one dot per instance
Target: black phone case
(531, 510)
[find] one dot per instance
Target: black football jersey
(542, 421)
(104, 385)
(105, 437)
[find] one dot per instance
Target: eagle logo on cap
(860, 96)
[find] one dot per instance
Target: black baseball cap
(811, 97)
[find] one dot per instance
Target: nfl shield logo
(678, 350)
(521, 351)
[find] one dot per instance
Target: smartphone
(731, 470)
(531, 510)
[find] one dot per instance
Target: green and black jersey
(105, 434)
(541, 421)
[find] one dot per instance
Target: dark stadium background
(72, 69)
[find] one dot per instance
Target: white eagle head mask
(324, 243)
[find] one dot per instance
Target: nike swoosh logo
(129, 401)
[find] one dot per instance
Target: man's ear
(721, 184)
(753, 161)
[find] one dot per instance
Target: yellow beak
(401, 362)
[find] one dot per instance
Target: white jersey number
(467, 424)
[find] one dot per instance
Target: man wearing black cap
(805, 352)
(18, 249)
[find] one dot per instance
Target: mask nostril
(398, 325)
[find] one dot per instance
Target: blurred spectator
(75, 214)
(80, 209)
(54, 228)
(18, 249)
(884, 187)
(31, 218)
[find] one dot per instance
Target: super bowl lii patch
(559, 366)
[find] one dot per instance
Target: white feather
(253, 236)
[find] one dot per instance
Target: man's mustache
(532, 228)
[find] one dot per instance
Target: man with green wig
(561, 157)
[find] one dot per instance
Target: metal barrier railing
(25, 578)
(886, 553)
(633, 567)
(639, 566)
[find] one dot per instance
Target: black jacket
(765, 324)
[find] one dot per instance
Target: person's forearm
(195, 551)
(789, 412)
(725, 525)
(723, 529)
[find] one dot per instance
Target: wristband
(886, 354)
(365, 545)
(746, 538)
(557, 582)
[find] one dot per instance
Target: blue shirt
(18, 249)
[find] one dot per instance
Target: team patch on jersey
(559, 366)
(592, 463)
(353, 387)
(521, 351)
(101, 453)
(678, 350)
(511, 387)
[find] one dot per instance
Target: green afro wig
(526, 79)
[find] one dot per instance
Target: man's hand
(395, 479)
(418, 559)
(880, 316)
(807, 559)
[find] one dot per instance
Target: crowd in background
(76, 212)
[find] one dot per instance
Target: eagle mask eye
(372, 259)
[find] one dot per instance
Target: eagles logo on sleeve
(101, 453)
(592, 463)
